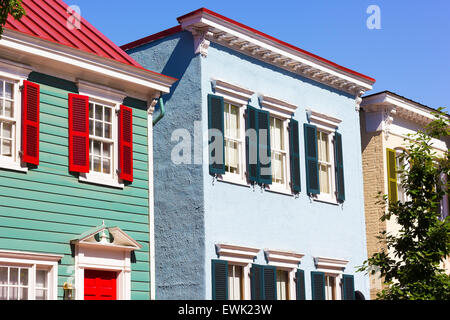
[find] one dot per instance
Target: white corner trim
(235, 253)
(323, 120)
(100, 92)
(330, 265)
(284, 259)
(277, 106)
(232, 92)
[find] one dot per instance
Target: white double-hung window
(28, 276)
(8, 120)
(101, 142)
(326, 160)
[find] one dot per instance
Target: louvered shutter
(126, 143)
(300, 284)
(257, 282)
(348, 289)
(392, 175)
(312, 163)
(216, 123)
(318, 285)
(339, 167)
(78, 133)
(270, 283)
(30, 123)
(252, 148)
(294, 152)
(219, 279)
(264, 154)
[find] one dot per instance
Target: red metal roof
(47, 19)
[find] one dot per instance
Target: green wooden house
(76, 166)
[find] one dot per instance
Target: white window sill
(279, 188)
(325, 199)
(234, 179)
(13, 166)
(97, 179)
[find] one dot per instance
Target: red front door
(100, 285)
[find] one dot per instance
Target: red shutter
(126, 143)
(78, 133)
(30, 123)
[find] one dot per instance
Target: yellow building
(386, 119)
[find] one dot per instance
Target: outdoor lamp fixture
(69, 291)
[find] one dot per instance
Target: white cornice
(255, 45)
(403, 108)
(330, 265)
(323, 120)
(36, 256)
(284, 259)
(236, 253)
(36, 52)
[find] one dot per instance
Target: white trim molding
(323, 121)
(330, 265)
(256, 45)
(277, 106)
(105, 255)
(236, 253)
(283, 259)
(232, 92)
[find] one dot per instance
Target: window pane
(91, 110)
(3, 275)
(97, 148)
(7, 130)
(41, 294)
(282, 285)
(13, 293)
(232, 156)
(234, 122)
(23, 293)
(98, 129)
(106, 150)
(234, 282)
(3, 293)
(9, 90)
(1, 106)
(6, 148)
(107, 131)
(108, 114)
(324, 178)
(98, 112)
(106, 166)
(91, 127)
(23, 277)
(41, 278)
(13, 276)
(97, 164)
(8, 109)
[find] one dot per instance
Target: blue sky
(409, 55)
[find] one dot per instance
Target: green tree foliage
(411, 264)
(10, 7)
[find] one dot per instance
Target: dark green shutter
(300, 284)
(257, 282)
(216, 121)
(339, 166)
(294, 152)
(219, 279)
(348, 282)
(312, 163)
(265, 173)
(318, 285)
(252, 144)
(270, 283)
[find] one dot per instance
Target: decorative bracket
(201, 43)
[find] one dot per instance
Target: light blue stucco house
(274, 207)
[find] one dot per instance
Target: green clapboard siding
(45, 208)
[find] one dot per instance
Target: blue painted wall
(192, 214)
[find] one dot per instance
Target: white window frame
(240, 256)
(283, 111)
(34, 261)
(15, 73)
(239, 97)
(332, 267)
(112, 98)
(285, 261)
(328, 125)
